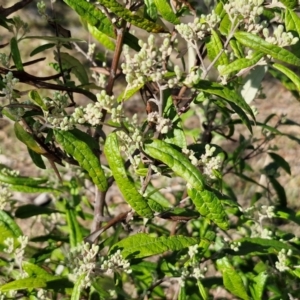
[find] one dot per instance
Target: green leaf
(41, 48)
(225, 25)
(166, 11)
(292, 21)
(8, 227)
(101, 37)
(35, 97)
(151, 10)
(288, 73)
(35, 271)
(27, 139)
(15, 53)
(125, 184)
(36, 159)
(242, 115)
(255, 42)
(129, 92)
(124, 13)
(281, 162)
(214, 48)
(92, 15)
(77, 288)
(82, 152)
(286, 82)
(261, 246)
(209, 206)
(75, 234)
(257, 286)
(237, 48)
(33, 189)
(70, 62)
(292, 24)
(280, 191)
(231, 279)
(143, 245)
(175, 160)
(21, 180)
(224, 92)
(290, 3)
(23, 284)
(30, 210)
(175, 135)
(240, 63)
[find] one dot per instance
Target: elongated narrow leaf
(101, 37)
(75, 235)
(82, 152)
(35, 97)
(231, 279)
(124, 13)
(92, 15)
(33, 189)
(224, 92)
(8, 228)
(76, 67)
(23, 284)
(209, 206)
(126, 185)
(21, 180)
(288, 73)
(143, 245)
(214, 48)
(15, 53)
(290, 3)
(241, 63)
(42, 48)
(175, 135)
(28, 139)
(77, 288)
(129, 92)
(255, 42)
(257, 246)
(166, 11)
(281, 162)
(175, 160)
(30, 210)
(35, 271)
(292, 21)
(257, 286)
(36, 159)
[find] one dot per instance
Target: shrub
(182, 226)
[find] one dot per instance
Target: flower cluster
(148, 63)
(280, 37)
(192, 267)
(282, 263)
(82, 261)
(198, 29)
(4, 60)
(91, 114)
(116, 262)
(133, 137)
(9, 82)
(249, 10)
(162, 125)
(208, 162)
(17, 251)
(5, 196)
